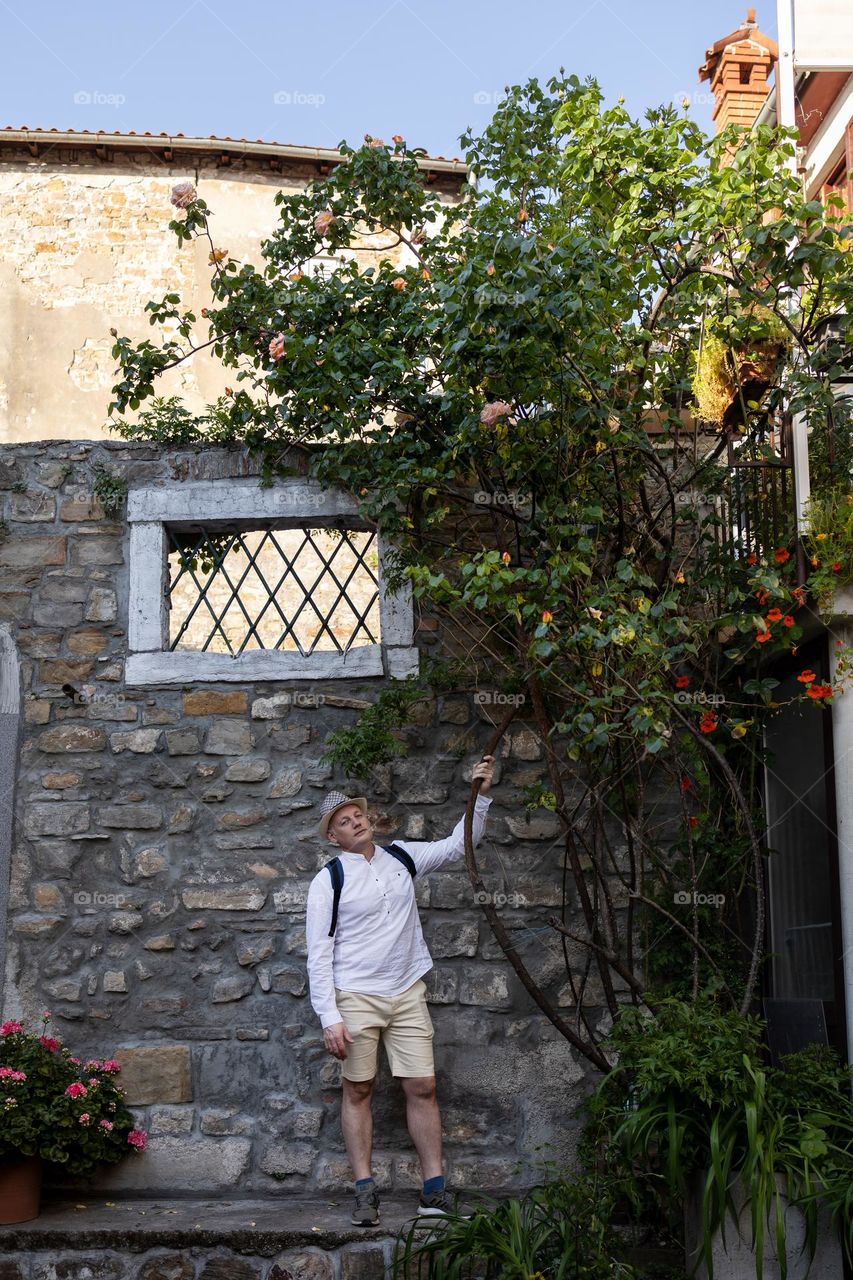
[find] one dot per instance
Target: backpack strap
(336, 871)
(401, 856)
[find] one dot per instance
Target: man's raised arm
(429, 854)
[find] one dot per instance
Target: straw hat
(333, 801)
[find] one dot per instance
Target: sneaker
(366, 1211)
(438, 1205)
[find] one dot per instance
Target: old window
(231, 581)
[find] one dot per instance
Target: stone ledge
(134, 1226)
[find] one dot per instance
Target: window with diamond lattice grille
(297, 590)
(238, 581)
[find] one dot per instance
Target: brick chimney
(738, 67)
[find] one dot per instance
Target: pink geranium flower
(85, 1118)
(110, 1064)
(138, 1138)
(106, 1124)
(76, 1091)
(9, 1028)
(49, 1043)
(7, 1073)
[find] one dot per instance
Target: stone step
(173, 1239)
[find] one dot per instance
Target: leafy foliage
(68, 1112)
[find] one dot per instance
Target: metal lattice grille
(299, 590)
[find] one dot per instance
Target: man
(366, 982)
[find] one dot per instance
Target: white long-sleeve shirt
(378, 947)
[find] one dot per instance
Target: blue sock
(362, 1183)
(433, 1184)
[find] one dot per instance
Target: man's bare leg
(424, 1121)
(357, 1124)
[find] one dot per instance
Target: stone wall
(164, 840)
(85, 244)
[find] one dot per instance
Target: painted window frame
(292, 503)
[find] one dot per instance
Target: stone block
(172, 1120)
(64, 989)
(114, 980)
(234, 987)
(271, 708)
(81, 508)
(485, 985)
(288, 1158)
(62, 671)
(248, 771)
(333, 1173)
(61, 781)
(32, 553)
(534, 826)
(229, 1267)
(159, 715)
(161, 942)
(363, 1262)
(182, 742)
(450, 939)
(303, 1264)
(254, 950)
(111, 706)
(95, 1266)
(442, 986)
(289, 981)
(141, 864)
(287, 782)
(235, 819)
(454, 711)
(215, 702)
(224, 1121)
(228, 738)
(56, 819)
(524, 744)
(48, 897)
(227, 898)
(181, 1164)
(131, 817)
(167, 1266)
(290, 737)
(49, 614)
(155, 1073)
(97, 551)
(141, 742)
(72, 737)
(87, 642)
(101, 606)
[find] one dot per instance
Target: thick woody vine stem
(590, 1051)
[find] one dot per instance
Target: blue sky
(317, 71)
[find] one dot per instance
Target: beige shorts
(402, 1022)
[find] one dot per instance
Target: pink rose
(494, 410)
(277, 347)
(323, 222)
(92, 1065)
(76, 1091)
(183, 194)
(9, 1028)
(138, 1138)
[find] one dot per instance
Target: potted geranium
(58, 1109)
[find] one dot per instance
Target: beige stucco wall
(83, 247)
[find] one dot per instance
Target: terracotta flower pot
(20, 1188)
